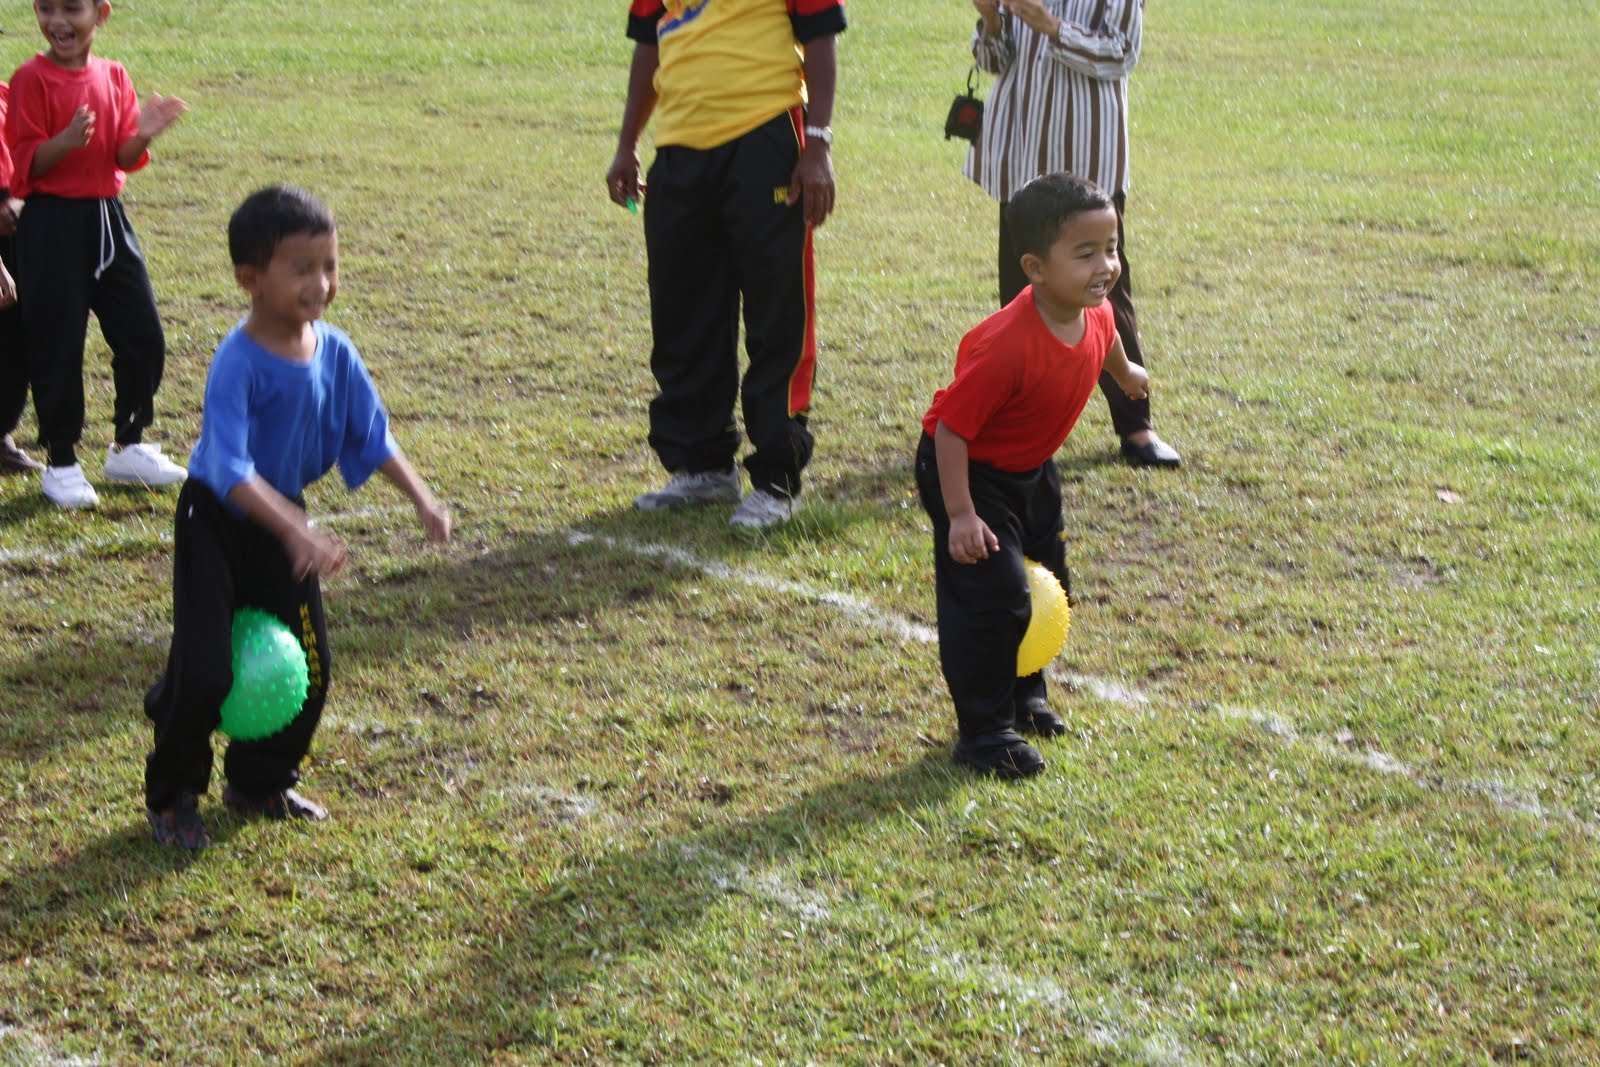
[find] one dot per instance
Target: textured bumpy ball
(270, 677)
(1047, 629)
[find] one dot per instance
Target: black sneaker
(1035, 717)
(1002, 753)
(284, 804)
(181, 827)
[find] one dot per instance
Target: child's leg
(125, 304)
(183, 703)
(272, 764)
(983, 607)
(55, 243)
(13, 360)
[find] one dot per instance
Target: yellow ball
(1047, 629)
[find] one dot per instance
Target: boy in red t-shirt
(75, 129)
(13, 365)
(986, 464)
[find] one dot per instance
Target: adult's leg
(54, 237)
(773, 256)
(1127, 416)
(124, 302)
(1009, 264)
(694, 312)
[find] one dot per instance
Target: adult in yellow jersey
(742, 95)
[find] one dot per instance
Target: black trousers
(13, 359)
(984, 607)
(717, 230)
(222, 562)
(1127, 416)
(74, 257)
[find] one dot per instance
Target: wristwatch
(820, 133)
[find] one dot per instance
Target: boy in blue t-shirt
(287, 398)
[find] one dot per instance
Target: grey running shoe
(686, 489)
(761, 509)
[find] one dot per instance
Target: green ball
(270, 678)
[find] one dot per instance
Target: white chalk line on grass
(1501, 795)
(1113, 1019)
(34, 1050)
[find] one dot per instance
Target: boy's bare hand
(435, 521)
(1135, 382)
(158, 113)
(315, 554)
(971, 539)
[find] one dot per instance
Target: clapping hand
(158, 113)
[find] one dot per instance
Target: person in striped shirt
(1060, 103)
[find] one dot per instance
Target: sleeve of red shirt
(642, 18)
(5, 152)
(128, 108)
(25, 132)
(816, 18)
(981, 385)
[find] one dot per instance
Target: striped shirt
(1059, 105)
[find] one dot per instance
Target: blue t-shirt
(287, 422)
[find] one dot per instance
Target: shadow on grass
(92, 884)
(553, 946)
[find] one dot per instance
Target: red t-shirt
(1018, 389)
(44, 97)
(5, 153)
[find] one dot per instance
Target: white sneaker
(762, 509)
(142, 465)
(67, 487)
(685, 490)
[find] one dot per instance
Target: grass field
(617, 788)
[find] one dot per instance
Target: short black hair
(269, 215)
(1035, 214)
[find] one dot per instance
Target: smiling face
(1081, 265)
(69, 26)
(297, 284)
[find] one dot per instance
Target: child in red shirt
(75, 129)
(986, 464)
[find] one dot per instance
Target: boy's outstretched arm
(311, 551)
(1132, 378)
(970, 537)
(434, 517)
